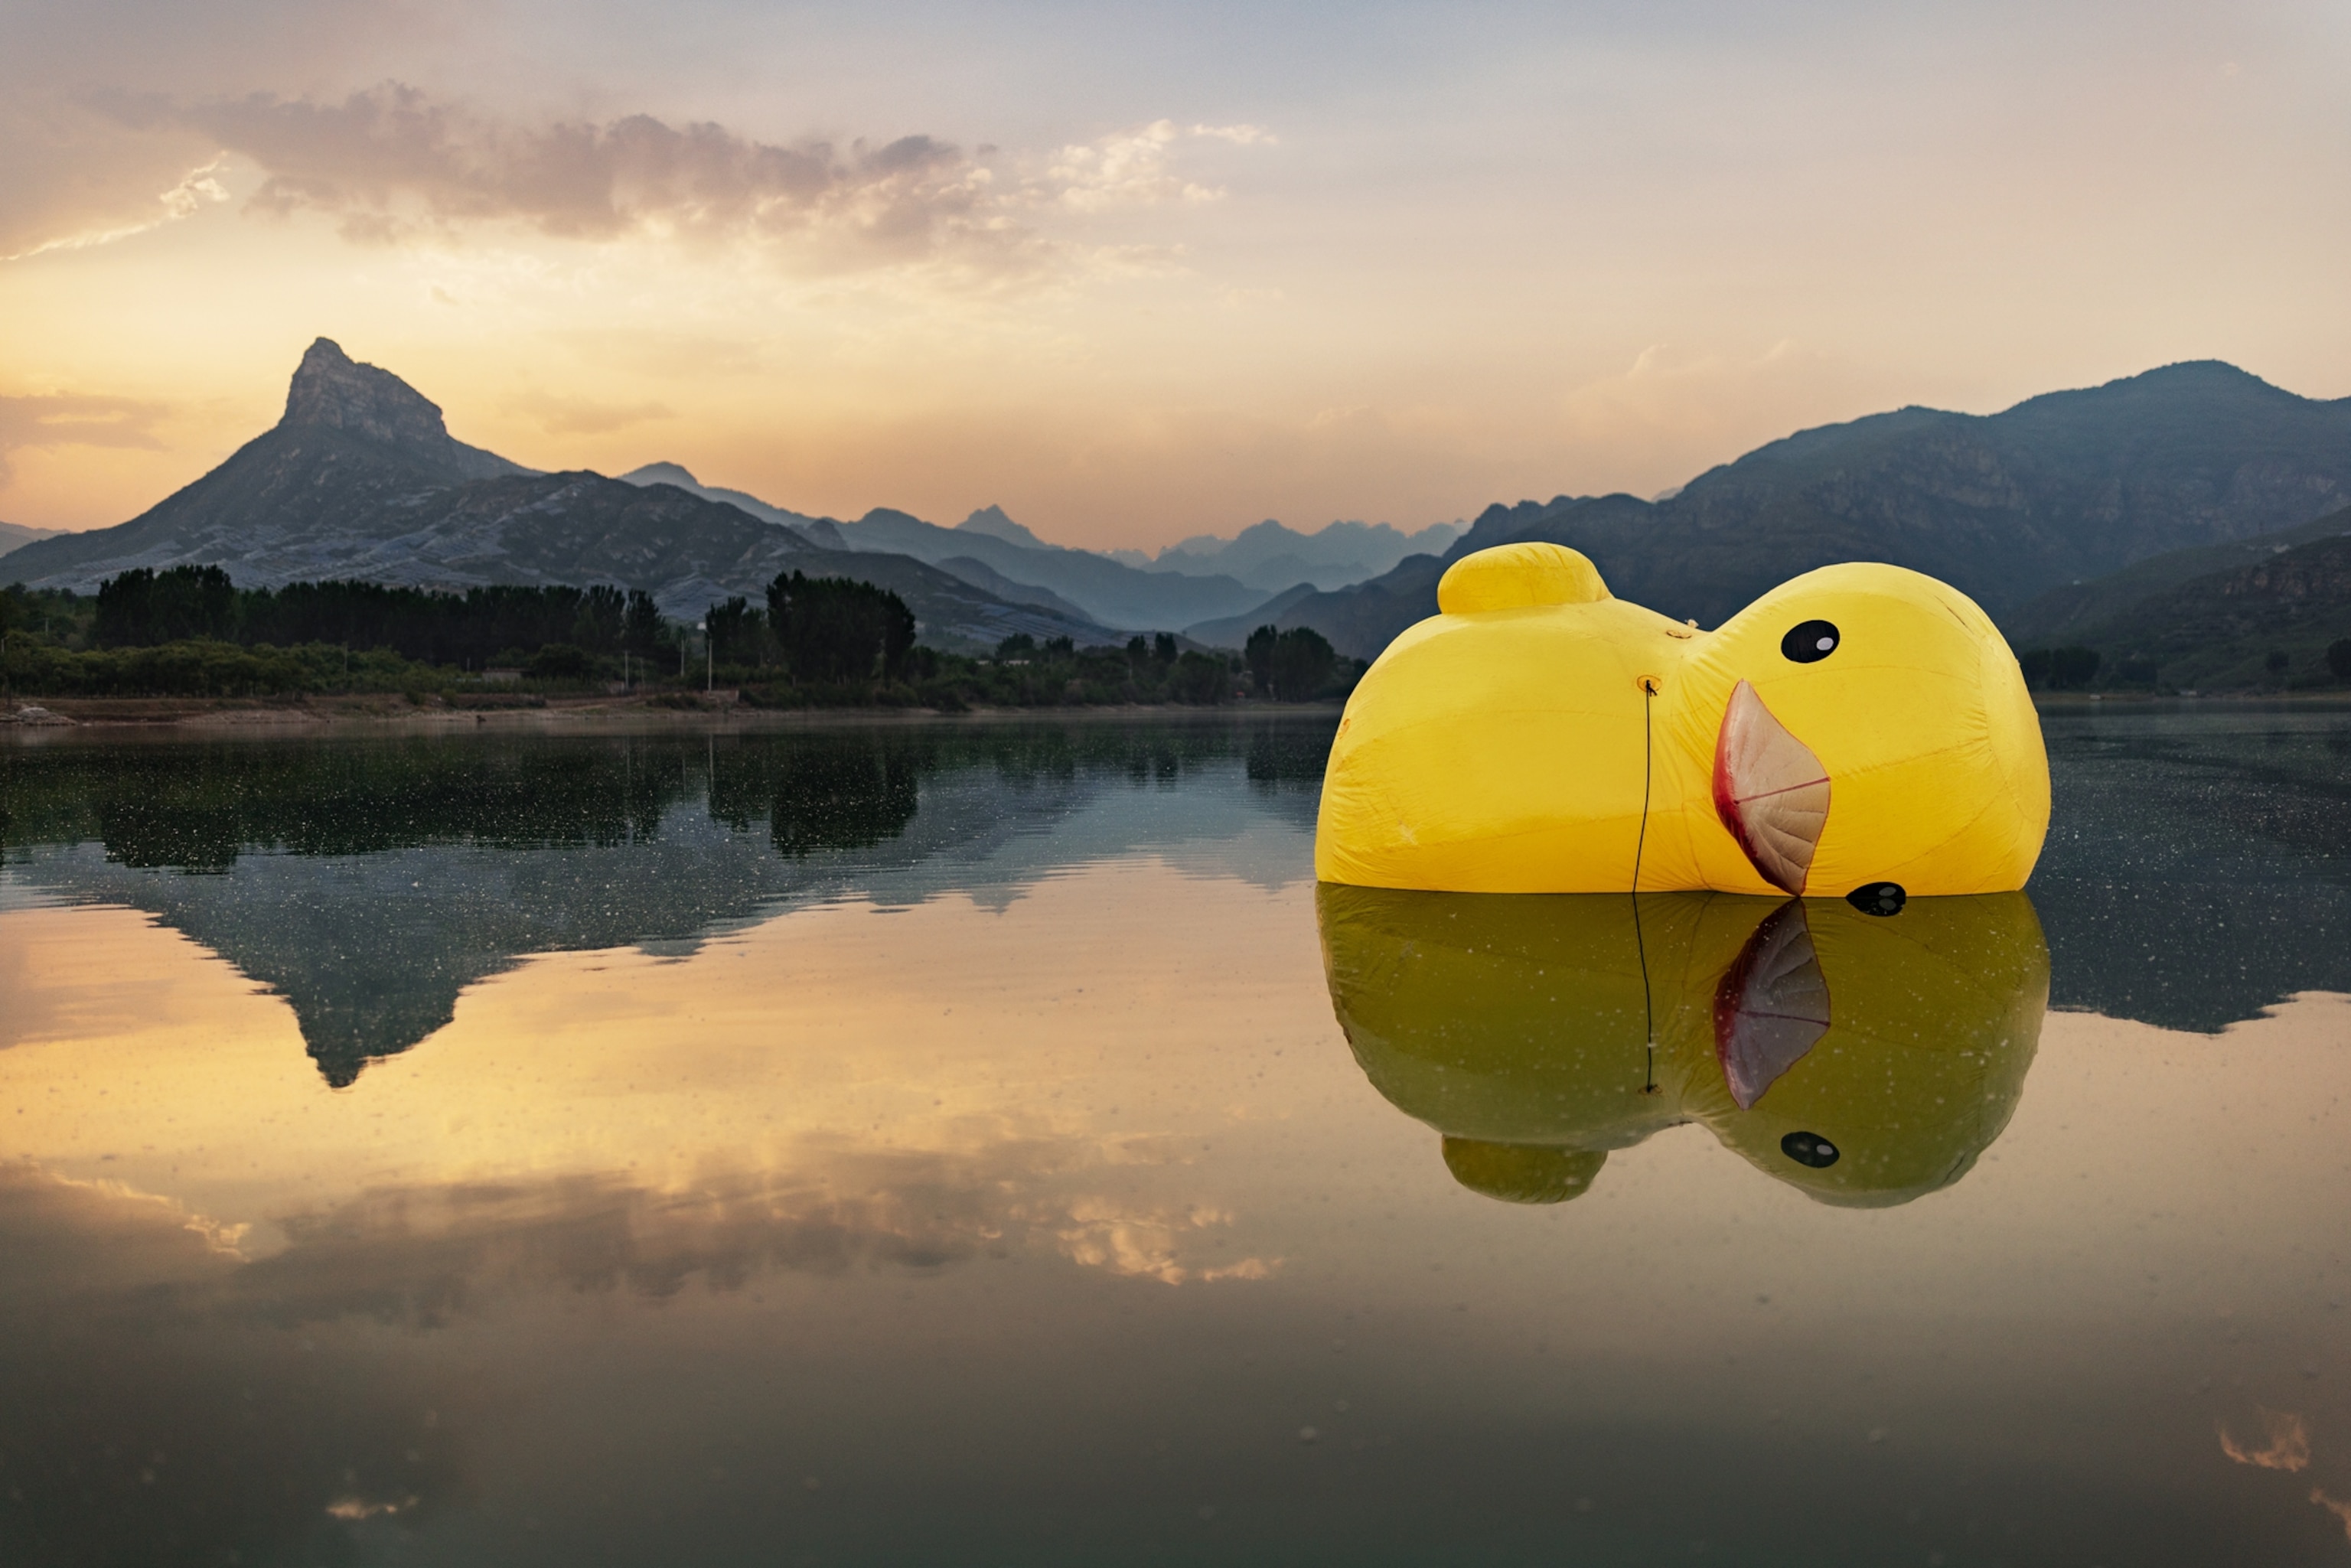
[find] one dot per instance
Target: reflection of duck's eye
(1810, 642)
(1809, 1149)
(1878, 898)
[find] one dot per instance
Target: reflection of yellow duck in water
(1865, 1059)
(1860, 724)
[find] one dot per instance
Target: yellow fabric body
(1519, 1029)
(1502, 745)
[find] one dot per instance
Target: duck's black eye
(1809, 1149)
(1810, 642)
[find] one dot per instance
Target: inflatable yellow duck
(1866, 1061)
(1860, 724)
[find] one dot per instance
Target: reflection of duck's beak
(1771, 1005)
(1770, 790)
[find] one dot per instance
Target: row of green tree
(1296, 665)
(2059, 669)
(855, 643)
(2077, 669)
(191, 631)
(827, 630)
(1056, 673)
(146, 608)
(822, 629)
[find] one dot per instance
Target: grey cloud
(70, 176)
(395, 161)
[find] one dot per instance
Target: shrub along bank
(32, 666)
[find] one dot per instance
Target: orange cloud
(76, 419)
(196, 188)
(564, 415)
(1131, 168)
(2285, 1446)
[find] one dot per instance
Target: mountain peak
(329, 388)
(676, 474)
(2193, 380)
(2207, 371)
(990, 520)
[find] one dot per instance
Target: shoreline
(255, 717)
(2046, 702)
(379, 712)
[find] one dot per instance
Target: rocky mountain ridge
(2257, 613)
(361, 479)
(743, 500)
(2079, 612)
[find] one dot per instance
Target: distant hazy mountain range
(2062, 489)
(990, 550)
(12, 536)
(1273, 557)
(1267, 557)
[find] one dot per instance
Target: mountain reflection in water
(1865, 1059)
(372, 881)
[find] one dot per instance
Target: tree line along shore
(189, 632)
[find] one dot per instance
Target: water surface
(986, 1143)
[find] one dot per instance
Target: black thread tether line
(1640, 845)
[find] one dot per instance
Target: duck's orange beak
(1770, 791)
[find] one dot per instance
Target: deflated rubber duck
(1860, 724)
(1864, 1058)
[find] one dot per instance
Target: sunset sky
(1140, 272)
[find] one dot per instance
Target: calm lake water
(986, 1145)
